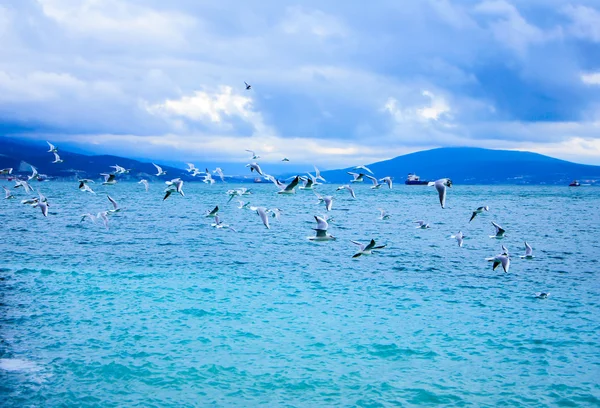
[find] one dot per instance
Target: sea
(163, 310)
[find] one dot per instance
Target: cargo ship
(574, 183)
(414, 180)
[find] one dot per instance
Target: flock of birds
(308, 182)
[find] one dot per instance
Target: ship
(258, 180)
(574, 183)
(413, 180)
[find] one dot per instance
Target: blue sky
(334, 84)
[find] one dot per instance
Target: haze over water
(164, 310)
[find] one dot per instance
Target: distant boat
(574, 183)
(258, 180)
(414, 180)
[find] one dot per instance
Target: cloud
(313, 22)
(591, 78)
(585, 22)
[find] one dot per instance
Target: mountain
(471, 165)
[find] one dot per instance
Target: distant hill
(470, 165)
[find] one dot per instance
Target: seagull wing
(473, 216)
(362, 246)
(441, 189)
(113, 202)
(371, 245)
(321, 223)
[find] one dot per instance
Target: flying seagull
(318, 175)
(528, 251)
(479, 210)
(321, 230)
(363, 168)
(459, 238)
(175, 185)
(120, 170)
(440, 186)
(499, 231)
(114, 204)
(376, 183)
(255, 167)
(83, 186)
(388, 181)
(161, 172)
(285, 159)
(53, 148)
(24, 184)
(254, 155)
(219, 172)
(289, 188)
(422, 224)
(145, 183)
(498, 260)
(328, 200)
(248, 86)
(212, 213)
(109, 179)
(383, 214)
(356, 177)
(57, 158)
(34, 174)
(191, 167)
(366, 249)
(262, 213)
(8, 193)
(347, 187)
(208, 177)
(220, 224)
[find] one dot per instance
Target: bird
(504, 250)
(114, 204)
(285, 159)
(34, 174)
(366, 249)
(43, 204)
(219, 224)
(255, 167)
(479, 210)
(243, 204)
(275, 212)
(321, 230)
(262, 213)
(109, 179)
(120, 170)
(388, 181)
(213, 213)
(528, 252)
(501, 259)
(499, 231)
(357, 177)
(376, 183)
(161, 172)
(24, 184)
(363, 168)
(104, 217)
(31, 201)
(8, 194)
(542, 295)
(191, 167)
(92, 217)
(208, 178)
(347, 187)
(175, 185)
(7, 170)
(440, 186)
(422, 224)
(83, 186)
(145, 183)
(318, 175)
(254, 155)
(308, 183)
(237, 192)
(57, 158)
(53, 148)
(219, 172)
(248, 86)
(289, 188)
(383, 214)
(459, 238)
(328, 200)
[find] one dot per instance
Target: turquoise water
(163, 310)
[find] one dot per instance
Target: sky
(333, 84)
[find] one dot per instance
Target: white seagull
(104, 217)
(366, 249)
(262, 213)
(376, 183)
(363, 168)
(145, 183)
(57, 158)
(459, 238)
(328, 200)
(243, 204)
(219, 224)
(255, 167)
(528, 252)
(220, 173)
(383, 214)
(440, 186)
(9, 195)
(388, 181)
(160, 171)
(318, 175)
(479, 210)
(346, 187)
(191, 167)
(357, 177)
(499, 231)
(24, 184)
(208, 178)
(109, 179)
(289, 188)
(84, 187)
(114, 204)
(175, 185)
(34, 174)
(501, 259)
(254, 155)
(120, 170)
(212, 213)
(53, 148)
(321, 230)
(7, 170)
(422, 224)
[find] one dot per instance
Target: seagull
(208, 178)
(255, 167)
(34, 174)
(57, 158)
(104, 217)
(24, 184)
(499, 231)
(115, 205)
(53, 148)
(357, 177)
(175, 185)
(384, 215)
(422, 224)
(120, 170)
(43, 204)
(479, 210)
(347, 187)
(290, 188)
(191, 167)
(262, 212)
(212, 213)
(504, 250)
(501, 259)
(248, 86)
(196, 172)
(145, 183)
(7, 170)
(243, 204)
(8, 193)
(219, 172)
(376, 183)
(219, 224)
(459, 238)
(285, 159)
(31, 201)
(237, 192)
(109, 179)
(440, 186)
(318, 175)
(254, 155)
(328, 200)
(528, 252)
(388, 181)
(308, 183)
(321, 230)
(366, 250)
(363, 168)
(84, 187)
(275, 213)
(88, 215)
(542, 295)
(161, 172)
